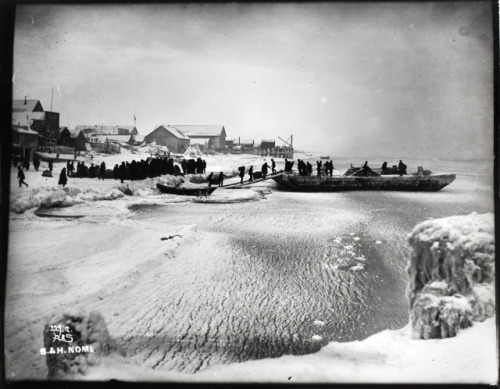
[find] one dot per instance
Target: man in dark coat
(401, 168)
(264, 169)
(250, 173)
(221, 179)
(20, 176)
(121, 172)
(102, 171)
(62, 178)
(242, 173)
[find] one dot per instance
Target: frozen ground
(285, 273)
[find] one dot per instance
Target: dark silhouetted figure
(21, 177)
(102, 171)
(384, 167)
(51, 166)
(242, 173)
(319, 165)
(220, 179)
(401, 168)
(273, 166)
(209, 179)
(366, 169)
(36, 162)
(309, 168)
(121, 172)
(62, 178)
(264, 170)
(250, 173)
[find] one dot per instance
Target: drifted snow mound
(72, 342)
(60, 197)
(452, 273)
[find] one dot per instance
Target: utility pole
(51, 96)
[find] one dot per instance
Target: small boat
(201, 191)
(324, 157)
(416, 183)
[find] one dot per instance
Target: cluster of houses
(35, 129)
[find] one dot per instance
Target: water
(288, 274)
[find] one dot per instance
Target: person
(36, 162)
(250, 173)
(121, 172)
(366, 169)
(21, 177)
(50, 165)
(209, 179)
(273, 166)
(319, 165)
(265, 166)
(62, 178)
(102, 171)
(220, 179)
(242, 173)
(401, 168)
(309, 168)
(331, 168)
(384, 166)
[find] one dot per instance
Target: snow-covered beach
(247, 274)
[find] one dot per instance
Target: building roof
(200, 130)
(174, 131)
(30, 106)
(267, 141)
(74, 133)
(104, 129)
(23, 130)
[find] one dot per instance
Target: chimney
(25, 102)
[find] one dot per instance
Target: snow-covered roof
(174, 131)
(74, 133)
(26, 105)
(23, 130)
(200, 130)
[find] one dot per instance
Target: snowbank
(452, 273)
(460, 262)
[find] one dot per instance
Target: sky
(400, 80)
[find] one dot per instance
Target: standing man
(20, 176)
(242, 173)
(264, 169)
(273, 166)
(250, 173)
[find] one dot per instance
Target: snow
(109, 255)
(387, 357)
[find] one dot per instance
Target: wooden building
(30, 114)
(99, 143)
(169, 136)
(216, 134)
(24, 142)
(77, 140)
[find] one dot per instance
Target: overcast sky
(403, 79)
